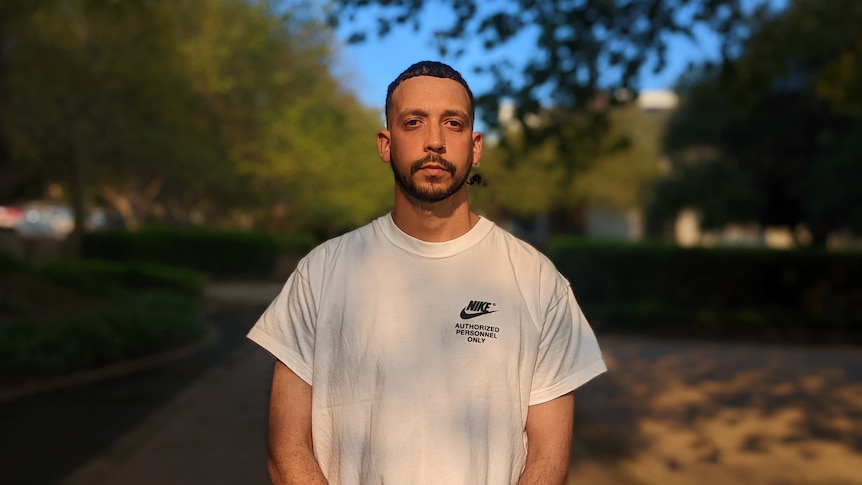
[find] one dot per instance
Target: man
(429, 346)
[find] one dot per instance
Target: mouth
(433, 167)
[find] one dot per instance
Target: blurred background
(688, 165)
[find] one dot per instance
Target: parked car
(44, 219)
(54, 220)
(9, 216)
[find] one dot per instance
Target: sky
(368, 68)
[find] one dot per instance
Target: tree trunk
(132, 203)
(122, 205)
(818, 237)
(74, 242)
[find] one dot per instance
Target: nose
(435, 142)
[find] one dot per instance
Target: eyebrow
(422, 112)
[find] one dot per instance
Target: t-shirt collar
(433, 249)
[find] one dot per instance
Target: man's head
(429, 140)
(433, 69)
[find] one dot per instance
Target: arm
(291, 459)
(549, 441)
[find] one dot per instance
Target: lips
(433, 165)
(434, 168)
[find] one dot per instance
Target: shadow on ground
(686, 412)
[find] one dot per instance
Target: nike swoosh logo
(467, 316)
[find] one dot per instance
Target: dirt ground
(684, 412)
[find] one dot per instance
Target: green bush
(9, 263)
(296, 244)
(110, 278)
(219, 253)
(66, 316)
(142, 323)
(726, 291)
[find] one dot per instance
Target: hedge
(138, 325)
(108, 278)
(68, 316)
(220, 253)
(727, 291)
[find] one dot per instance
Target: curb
(211, 336)
(224, 292)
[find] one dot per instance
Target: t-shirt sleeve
(287, 327)
(569, 354)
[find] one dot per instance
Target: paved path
(212, 433)
(669, 412)
(701, 413)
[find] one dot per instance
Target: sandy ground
(683, 412)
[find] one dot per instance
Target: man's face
(437, 187)
(430, 144)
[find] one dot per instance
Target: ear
(384, 141)
(477, 148)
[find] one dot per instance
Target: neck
(434, 222)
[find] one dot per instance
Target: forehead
(428, 93)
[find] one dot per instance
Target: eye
(455, 124)
(412, 123)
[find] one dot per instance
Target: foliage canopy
(223, 111)
(579, 48)
(587, 146)
(773, 137)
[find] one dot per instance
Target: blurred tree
(188, 111)
(301, 141)
(15, 176)
(625, 163)
(628, 161)
(580, 52)
(88, 80)
(767, 138)
(579, 48)
(831, 200)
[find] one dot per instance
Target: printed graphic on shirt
(476, 309)
(476, 333)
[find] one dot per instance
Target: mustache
(429, 159)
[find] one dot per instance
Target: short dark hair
(433, 69)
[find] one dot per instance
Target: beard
(435, 191)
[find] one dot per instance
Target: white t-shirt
(424, 357)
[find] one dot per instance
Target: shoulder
(521, 252)
(536, 273)
(348, 244)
